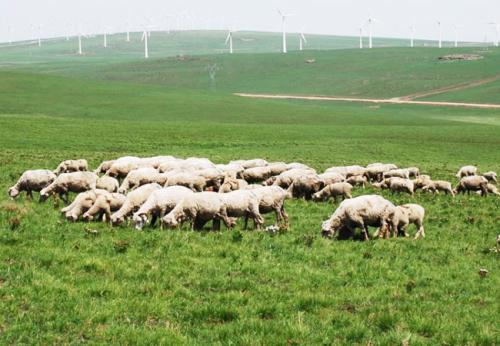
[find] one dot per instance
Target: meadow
(61, 283)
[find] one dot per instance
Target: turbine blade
(228, 38)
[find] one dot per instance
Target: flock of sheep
(196, 190)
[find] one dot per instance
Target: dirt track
(369, 100)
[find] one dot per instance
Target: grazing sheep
(133, 202)
(104, 205)
(191, 181)
(491, 189)
(439, 185)
(251, 163)
(360, 212)
(491, 177)
(69, 166)
(357, 180)
(33, 180)
(69, 182)
(421, 181)
(399, 185)
(408, 214)
(231, 184)
(122, 166)
(107, 183)
(285, 179)
(230, 170)
(466, 171)
(104, 167)
(82, 203)
(213, 177)
(199, 208)
(272, 199)
(159, 203)
(243, 203)
(298, 165)
(140, 176)
(347, 171)
(413, 171)
(387, 166)
(278, 167)
(376, 173)
(331, 177)
(256, 174)
(473, 183)
(306, 186)
(343, 190)
(397, 173)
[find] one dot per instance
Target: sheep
(140, 176)
(82, 203)
(230, 170)
(375, 173)
(32, 180)
(408, 214)
(104, 205)
(360, 212)
(251, 163)
(466, 171)
(298, 165)
(306, 186)
(156, 161)
(256, 174)
(278, 167)
(107, 183)
(285, 179)
(387, 166)
(334, 190)
(347, 170)
(491, 177)
(231, 184)
(122, 166)
(104, 166)
(199, 208)
(272, 199)
(421, 181)
(413, 171)
(357, 180)
(399, 185)
(194, 182)
(472, 183)
(397, 173)
(133, 202)
(69, 166)
(435, 186)
(243, 203)
(491, 189)
(213, 177)
(69, 182)
(331, 177)
(159, 203)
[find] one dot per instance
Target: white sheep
(104, 166)
(69, 166)
(243, 203)
(199, 208)
(285, 179)
(133, 202)
(272, 199)
(32, 180)
(335, 190)
(138, 177)
(466, 171)
(360, 212)
(491, 189)
(159, 203)
(399, 185)
(347, 171)
(357, 180)
(231, 184)
(307, 185)
(491, 176)
(82, 203)
(408, 214)
(107, 183)
(435, 186)
(256, 174)
(397, 173)
(104, 205)
(473, 183)
(191, 181)
(69, 182)
(251, 163)
(332, 177)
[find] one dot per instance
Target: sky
(468, 19)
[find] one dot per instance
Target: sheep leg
(154, 218)
(64, 197)
(277, 211)
(284, 215)
(365, 232)
(216, 224)
(245, 227)
(420, 232)
(29, 193)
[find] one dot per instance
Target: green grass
(60, 285)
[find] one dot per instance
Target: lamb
(243, 203)
(256, 174)
(104, 205)
(306, 186)
(397, 173)
(466, 171)
(199, 208)
(408, 214)
(491, 177)
(69, 166)
(357, 180)
(133, 202)
(360, 212)
(191, 181)
(331, 177)
(439, 185)
(159, 203)
(473, 183)
(272, 199)
(140, 176)
(33, 180)
(104, 166)
(69, 182)
(82, 203)
(231, 184)
(107, 183)
(343, 190)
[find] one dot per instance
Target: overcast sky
(19, 19)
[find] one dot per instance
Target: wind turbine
(284, 16)
(370, 21)
(412, 39)
(440, 35)
(302, 40)
(127, 38)
(105, 38)
(455, 27)
(497, 29)
(39, 35)
(80, 43)
(361, 37)
(229, 39)
(144, 38)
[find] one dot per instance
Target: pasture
(61, 282)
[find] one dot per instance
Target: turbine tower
(302, 41)
(497, 29)
(455, 27)
(105, 38)
(440, 35)
(145, 39)
(284, 16)
(229, 39)
(39, 35)
(80, 43)
(370, 21)
(412, 39)
(361, 37)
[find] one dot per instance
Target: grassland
(59, 284)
